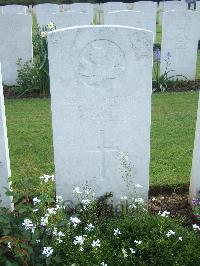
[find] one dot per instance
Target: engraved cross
(103, 149)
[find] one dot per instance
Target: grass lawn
(173, 125)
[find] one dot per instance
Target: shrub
(45, 230)
(34, 76)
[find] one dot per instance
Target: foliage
(162, 81)
(45, 230)
(34, 76)
(196, 206)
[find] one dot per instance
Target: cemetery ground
(172, 136)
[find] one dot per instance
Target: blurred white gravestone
(5, 172)
(14, 9)
(16, 42)
(135, 19)
(82, 7)
(180, 42)
(169, 6)
(195, 173)
(99, 107)
(150, 12)
(114, 6)
(43, 13)
(70, 18)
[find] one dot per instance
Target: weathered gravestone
(82, 7)
(179, 43)
(5, 172)
(136, 19)
(150, 12)
(14, 9)
(171, 5)
(16, 42)
(101, 84)
(43, 13)
(195, 174)
(70, 18)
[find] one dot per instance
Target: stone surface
(5, 172)
(114, 6)
(171, 5)
(136, 19)
(101, 84)
(195, 173)
(150, 12)
(180, 39)
(43, 13)
(82, 7)
(14, 9)
(16, 42)
(70, 18)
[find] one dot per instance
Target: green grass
(173, 125)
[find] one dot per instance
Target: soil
(180, 86)
(173, 200)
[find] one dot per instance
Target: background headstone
(16, 42)
(180, 41)
(5, 172)
(70, 18)
(150, 12)
(101, 85)
(195, 174)
(14, 9)
(43, 13)
(135, 19)
(114, 6)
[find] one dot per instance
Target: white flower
(9, 245)
(180, 238)
(138, 186)
(28, 225)
(133, 206)
(37, 240)
(59, 199)
(47, 251)
(44, 34)
(35, 210)
(46, 178)
(139, 201)
(44, 221)
(51, 25)
(76, 190)
(75, 221)
(170, 232)
(195, 227)
(123, 198)
(117, 232)
(138, 242)
(153, 199)
(124, 253)
(36, 200)
(103, 263)
(132, 250)
(79, 240)
(51, 211)
(96, 243)
(86, 202)
(58, 235)
(89, 227)
(164, 214)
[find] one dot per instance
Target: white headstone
(195, 173)
(171, 5)
(5, 172)
(150, 11)
(43, 13)
(135, 19)
(70, 18)
(114, 6)
(101, 84)
(82, 7)
(16, 42)
(14, 9)
(180, 40)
